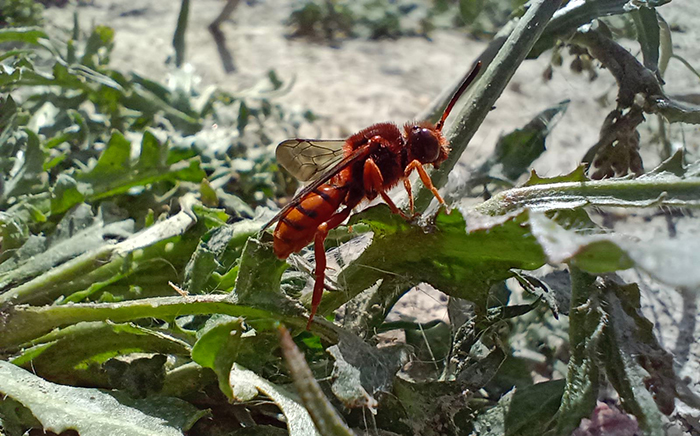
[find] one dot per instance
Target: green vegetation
(374, 19)
(138, 295)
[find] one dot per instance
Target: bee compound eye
(425, 145)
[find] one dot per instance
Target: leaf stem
(20, 324)
(487, 89)
(660, 190)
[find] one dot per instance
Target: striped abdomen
(296, 229)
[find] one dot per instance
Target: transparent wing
(308, 159)
(360, 153)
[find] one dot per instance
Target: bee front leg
(411, 205)
(320, 255)
(425, 178)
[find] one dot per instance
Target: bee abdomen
(296, 229)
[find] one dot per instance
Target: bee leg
(320, 255)
(411, 205)
(425, 178)
(374, 182)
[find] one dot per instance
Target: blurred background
(350, 64)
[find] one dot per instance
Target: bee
(342, 173)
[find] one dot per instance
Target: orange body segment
(296, 229)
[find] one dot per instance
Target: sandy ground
(364, 82)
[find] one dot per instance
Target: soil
(362, 82)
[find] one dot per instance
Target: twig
(487, 90)
(633, 78)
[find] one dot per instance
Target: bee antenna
(465, 83)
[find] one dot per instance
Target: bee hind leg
(320, 256)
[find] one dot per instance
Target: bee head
(426, 144)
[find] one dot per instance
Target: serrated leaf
(28, 175)
(577, 175)
(114, 160)
(460, 263)
(671, 261)
(217, 253)
(92, 412)
(361, 371)
(98, 266)
(674, 165)
(585, 332)
(8, 115)
(525, 411)
(78, 232)
(258, 279)
(516, 151)
(115, 173)
(217, 348)
(299, 422)
(69, 354)
(634, 358)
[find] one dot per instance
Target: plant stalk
(487, 90)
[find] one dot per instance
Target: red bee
(343, 173)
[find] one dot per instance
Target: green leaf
(92, 412)
(66, 193)
(245, 384)
(163, 241)
(8, 115)
(674, 165)
(470, 9)
(669, 260)
(649, 190)
(217, 348)
(29, 177)
(243, 114)
(153, 153)
(114, 160)
(25, 323)
(592, 254)
(445, 255)
(517, 150)
(577, 175)
(525, 411)
(647, 26)
(361, 371)
(258, 280)
(585, 335)
(634, 357)
(78, 232)
(101, 37)
(115, 173)
(70, 354)
(217, 253)
(30, 35)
